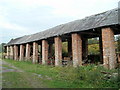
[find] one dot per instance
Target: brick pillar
(15, 52)
(44, 52)
(35, 52)
(11, 52)
(85, 49)
(8, 53)
(22, 52)
(27, 55)
(69, 47)
(77, 49)
(58, 51)
(109, 56)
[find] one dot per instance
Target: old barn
(38, 47)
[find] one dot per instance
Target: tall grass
(90, 76)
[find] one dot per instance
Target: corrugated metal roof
(99, 20)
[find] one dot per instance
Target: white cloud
(22, 16)
(12, 26)
(71, 8)
(5, 24)
(82, 8)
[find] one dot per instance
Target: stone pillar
(77, 49)
(69, 47)
(58, 51)
(85, 49)
(8, 53)
(11, 52)
(22, 52)
(27, 55)
(109, 56)
(15, 52)
(44, 52)
(35, 52)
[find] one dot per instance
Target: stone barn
(38, 47)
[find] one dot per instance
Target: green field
(36, 75)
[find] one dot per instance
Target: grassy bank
(90, 76)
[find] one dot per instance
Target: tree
(2, 47)
(93, 41)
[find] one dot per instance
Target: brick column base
(58, 51)
(15, 52)
(109, 56)
(11, 52)
(44, 52)
(27, 55)
(21, 52)
(77, 49)
(8, 53)
(35, 52)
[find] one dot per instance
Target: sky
(24, 17)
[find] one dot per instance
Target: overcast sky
(23, 17)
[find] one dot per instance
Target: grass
(20, 80)
(6, 66)
(12, 80)
(68, 77)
